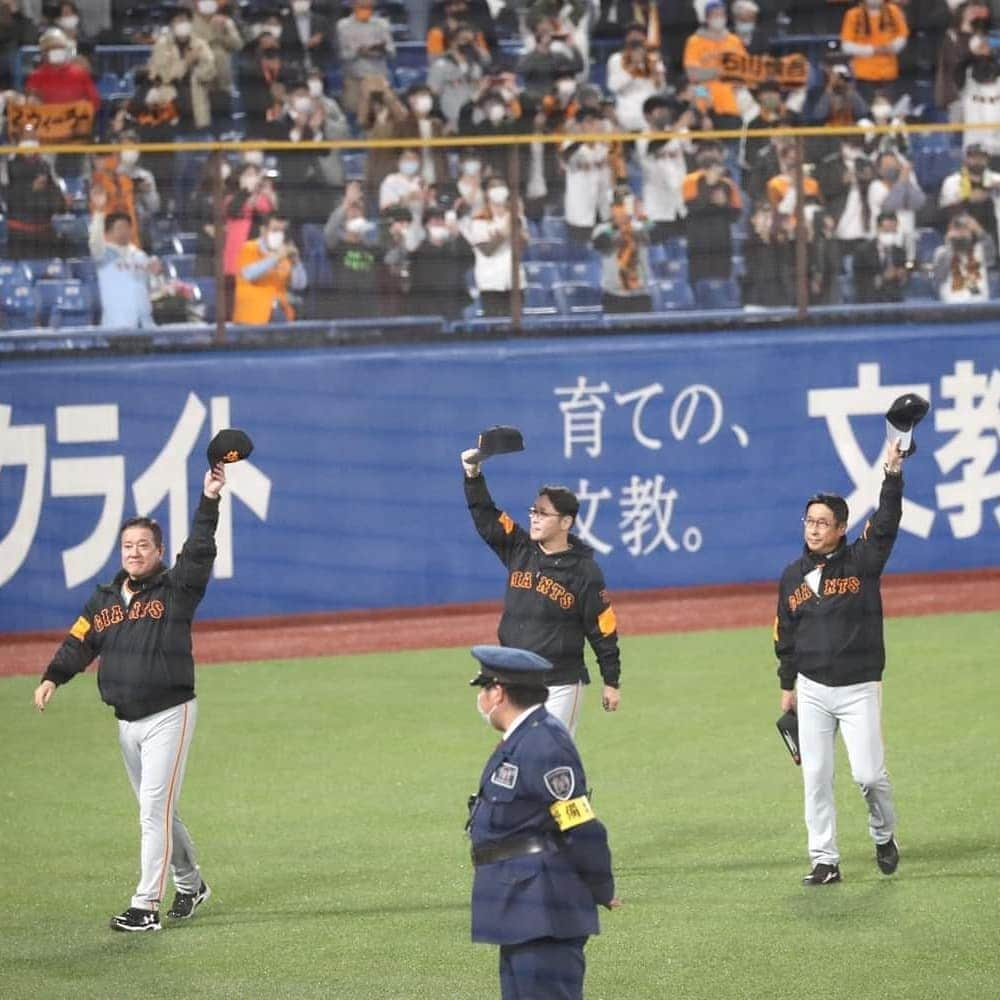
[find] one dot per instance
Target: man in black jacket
(139, 626)
(829, 643)
(555, 595)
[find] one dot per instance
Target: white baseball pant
(856, 710)
(155, 750)
(564, 702)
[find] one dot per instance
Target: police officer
(541, 856)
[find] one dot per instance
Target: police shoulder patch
(560, 782)
(505, 775)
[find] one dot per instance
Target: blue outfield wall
(692, 454)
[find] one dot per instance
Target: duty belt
(512, 847)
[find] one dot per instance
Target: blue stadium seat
(408, 76)
(205, 296)
(672, 294)
(83, 269)
(312, 238)
(577, 299)
(543, 272)
(107, 84)
(73, 229)
(919, 287)
(544, 250)
(188, 242)
(928, 240)
(716, 293)
(51, 291)
(19, 305)
(76, 190)
(934, 156)
(676, 270)
(354, 163)
(180, 265)
(3, 231)
(538, 301)
(585, 271)
(553, 227)
(15, 272)
(994, 280)
(74, 306)
(162, 233)
(53, 267)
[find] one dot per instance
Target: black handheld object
(905, 413)
(229, 445)
(499, 440)
(788, 727)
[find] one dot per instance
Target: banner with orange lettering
(788, 71)
(52, 122)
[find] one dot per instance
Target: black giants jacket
(835, 637)
(552, 602)
(146, 664)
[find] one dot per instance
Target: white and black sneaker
(185, 903)
(823, 875)
(136, 919)
(887, 856)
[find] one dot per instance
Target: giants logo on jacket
(831, 588)
(524, 580)
(116, 614)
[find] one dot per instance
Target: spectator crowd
(586, 224)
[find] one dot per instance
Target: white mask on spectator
(881, 111)
(499, 195)
(471, 168)
(566, 88)
(886, 240)
(249, 181)
(300, 6)
(423, 103)
(58, 56)
(356, 225)
(129, 157)
(225, 170)
(315, 86)
(409, 166)
(254, 156)
(302, 105)
(207, 7)
(438, 233)
(182, 30)
(69, 23)
(496, 113)
(716, 23)
(274, 30)
(560, 48)
(850, 153)
(275, 239)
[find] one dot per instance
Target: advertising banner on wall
(691, 455)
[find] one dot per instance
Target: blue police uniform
(542, 862)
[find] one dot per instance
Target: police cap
(507, 665)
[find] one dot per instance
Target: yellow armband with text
(572, 812)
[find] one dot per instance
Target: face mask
(471, 168)
(356, 226)
(881, 112)
(207, 7)
(69, 22)
(566, 88)
(745, 28)
(850, 153)
(182, 30)
(248, 182)
(274, 30)
(499, 195)
(315, 87)
(409, 167)
(484, 715)
(887, 240)
(129, 157)
(58, 56)
(423, 104)
(873, 4)
(275, 240)
(153, 96)
(438, 233)
(302, 105)
(301, 6)
(225, 171)
(496, 114)
(716, 24)
(254, 156)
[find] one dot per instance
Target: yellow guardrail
(463, 142)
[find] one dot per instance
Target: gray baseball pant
(856, 710)
(155, 750)
(564, 702)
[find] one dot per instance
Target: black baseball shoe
(823, 875)
(136, 919)
(887, 856)
(185, 903)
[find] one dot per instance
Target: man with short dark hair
(880, 273)
(139, 627)
(831, 653)
(555, 595)
(541, 857)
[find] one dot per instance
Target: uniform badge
(505, 775)
(560, 782)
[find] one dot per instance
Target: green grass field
(327, 799)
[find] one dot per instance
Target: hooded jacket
(833, 635)
(553, 602)
(144, 645)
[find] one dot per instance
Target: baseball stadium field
(327, 798)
